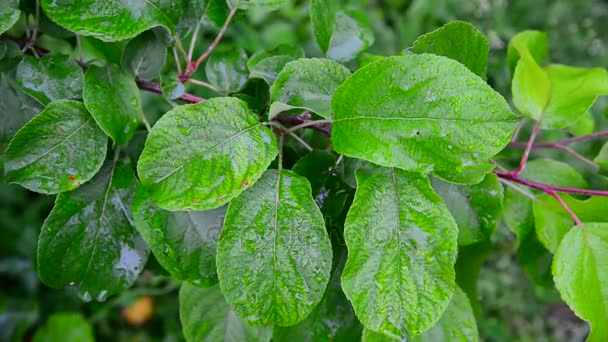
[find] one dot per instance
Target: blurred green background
(512, 307)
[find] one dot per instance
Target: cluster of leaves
(317, 198)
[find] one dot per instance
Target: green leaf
(584, 126)
(145, 56)
(307, 83)
(227, 70)
(602, 157)
(531, 87)
(581, 275)
(67, 327)
(456, 324)
(57, 150)
(264, 5)
(183, 242)
(553, 222)
(421, 120)
(50, 78)
(352, 34)
(468, 266)
(114, 20)
(88, 240)
(171, 86)
(323, 18)
(476, 208)
(534, 42)
(201, 156)
(9, 14)
(206, 317)
(267, 65)
(16, 108)
(274, 254)
(402, 242)
(113, 99)
(317, 167)
(457, 40)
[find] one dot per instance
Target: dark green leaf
(202, 156)
(468, 266)
(57, 150)
(457, 40)
(226, 69)
(352, 34)
(113, 99)
(50, 78)
(307, 83)
(183, 242)
(16, 108)
(206, 317)
(145, 56)
(88, 240)
(401, 242)
(421, 120)
(316, 166)
(9, 14)
(66, 327)
(323, 19)
(581, 275)
(476, 208)
(274, 254)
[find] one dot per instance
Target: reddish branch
(546, 187)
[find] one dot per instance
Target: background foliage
(513, 302)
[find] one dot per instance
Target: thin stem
(178, 63)
(155, 88)
(575, 218)
(300, 140)
(310, 123)
(546, 188)
(27, 26)
(145, 121)
(79, 46)
(521, 124)
(193, 40)
(562, 142)
(524, 158)
(36, 23)
(216, 40)
(204, 84)
(518, 189)
(180, 47)
(560, 147)
(281, 140)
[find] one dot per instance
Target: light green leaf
(16, 108)
(112, 97)
(553, 222)
(531, 87)
(352, 34)
(307, 83)
(201, 156)
(65, 327)
(206, 317)
(88, 240)
(421, 120)
(457, 40)
(584, 126)
(264, 5)
(536, 44)
(145, 56)
(227, 70)
(602, 157)
(581, 275)
(9, 14)
(113, 20)
(50, 78)
(476, 208)
(456, 324)
(183, 242)
(401, 242)
(323, 19)
(274, 254)
(57, 150)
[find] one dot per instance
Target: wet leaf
(201, 156)
(16, 108)
(227, 69)
(402, 243)
(89, 241)
(274, 254)
(112, 97)
(56, 151)
(9, 14)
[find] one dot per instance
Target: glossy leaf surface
(89, 236)
(206, 317)
(352, 34)
(323, 18)
(307, 84)
(581, 273)
(50, 78)
(16, 107)
(183, 242)
(201, 156)
(9, 14)
(56, 151)
(401, 242)
(145, 56)
(457, 40)
(421, 120)
(227, 69)
(274, 255)
(112, 97)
